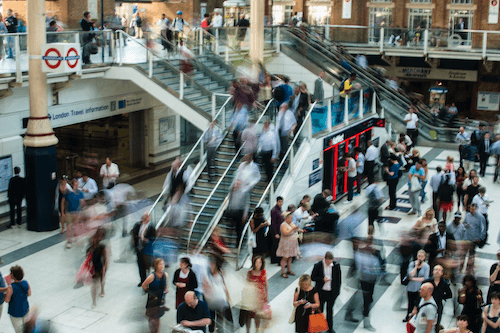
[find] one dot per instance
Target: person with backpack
(445, 196)
(346, 86)
(424, 316)
(375, 200)
(138, 25)
(178, 27)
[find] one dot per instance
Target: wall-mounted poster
(488, 101)
(346, 9)
(5, 172)
(167, 129)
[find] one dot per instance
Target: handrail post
(278, 40)
(112, 45)
(202, 146)
(150, 56)
(361, 106)
(426, 41)
(381, 41)
(389, 129)
(346, 110)
(310, 129)
(271, 194)
(223, 118)
(217, 41)
(374, 102)
(77, 37)
(382, 113)
(485, 42)
(291, 163)
(201, 41)
(121, 46)
(181, 86)
(328, 116)
(17, 50)
(214, 102)
(327, 32)
(226, 53)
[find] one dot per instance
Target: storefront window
(282, 14)
(462, 20)
(420, 18)
(381, 1)
(378, 18)
(463, 2)
(421, 1)
(319, 15)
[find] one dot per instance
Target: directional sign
(61, 58)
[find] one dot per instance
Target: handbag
(266, 313)
(86, 271)
(415, 185)
(292, 316)
(317, 323)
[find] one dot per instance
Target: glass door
(378, 18)
(462, 20)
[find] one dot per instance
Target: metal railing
(220, 117)
(212, 224)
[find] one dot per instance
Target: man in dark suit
(143, 235)
(327, 276)
(385, 154)
(326, 220)
(439, 244)
(16, 193)
(484, 153)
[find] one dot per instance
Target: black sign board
(389, 219)
(349, 132)
(315, 177)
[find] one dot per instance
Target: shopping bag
(86, 271)
(317, 323)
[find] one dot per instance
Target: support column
(40, 141)
(257, 31)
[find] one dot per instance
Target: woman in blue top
(17, 297)
(392, 180)
(491, 315)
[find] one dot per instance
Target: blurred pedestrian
(257, 280)
(17, 296)
(269, 148)
(375, 200)
(393, 172)
(75, 202)
(87, 185)
(416, 176)
(178, 179)
(286, 124)
(212, 139)
(217, 295)
(185, 280)
(305, 301)
(475, 234)
(156, 287)
(360, 168)
(250, 138)
(143, 235)
(100, 263)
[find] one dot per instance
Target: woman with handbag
(184, 280)
(305, 300)
(258, 224)
(216, 294)
(472, 299)
(257, 280)
(156, 287)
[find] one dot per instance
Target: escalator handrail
(220, 181)
(268, 187)
(424, 111)
(191, 152)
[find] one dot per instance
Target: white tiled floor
(51, 273)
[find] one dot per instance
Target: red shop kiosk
(335, 147)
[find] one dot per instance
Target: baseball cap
(179, 12)
(458, 214)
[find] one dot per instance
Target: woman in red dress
(184, 280)
(257, 276)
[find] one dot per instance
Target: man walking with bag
(327, 276)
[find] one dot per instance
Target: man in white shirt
(360, 168)
(178, 26)
(212, 138)
(164, 24)
(269, 148)
(482, 201)
(351, 177)
(88, 186)
(328, 279)
(462, 138)
(217, 20)
(109, 173)
(361, 61)
(436, 180)
(411, 120)
(301, 215)
(426, 313)
(371, 155)
(286, 124)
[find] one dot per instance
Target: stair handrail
(268, 187)
(165, 62)
(191, 152)
(220, 181)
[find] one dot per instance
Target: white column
(346, 110)
(257, 30)
(426, 41)
(328, 116)
(485, 43)
(39, 132)
(374, 103)
(381, 41)
(361, 106)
